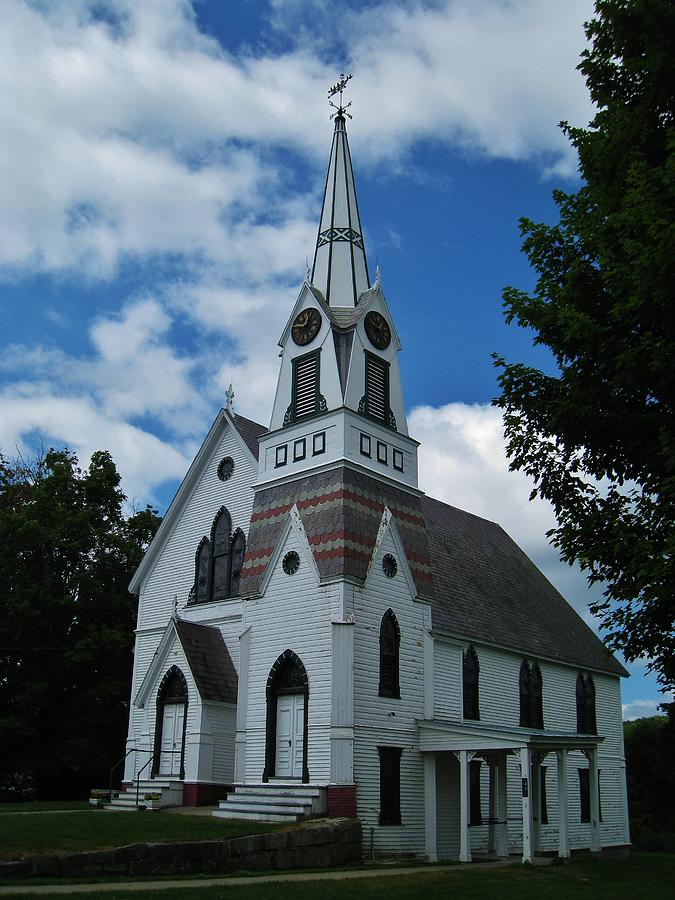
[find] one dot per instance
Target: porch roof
(438, 734)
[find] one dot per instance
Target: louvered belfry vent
(306, 385)
(377, 387)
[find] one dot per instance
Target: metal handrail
(118, 763)
(140, 772)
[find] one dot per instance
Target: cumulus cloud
(638, 709)
(463, 462)
(127, 132)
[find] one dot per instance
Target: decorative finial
(308, 270)
(229, 399)
(338, 89)
(175, 605)
(378, 276)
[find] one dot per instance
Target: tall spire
(340, 268)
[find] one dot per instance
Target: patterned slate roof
(488, 589)
(250, 431)
(209, 661)
(341, 511)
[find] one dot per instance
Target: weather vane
(338, 89)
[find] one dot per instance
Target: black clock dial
(377, 329)
(306, 326)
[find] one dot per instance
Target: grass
(64, 832)
(43, 806)
(645, 876)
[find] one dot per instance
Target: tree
(650, 778)
(67, 621)
(596, 432)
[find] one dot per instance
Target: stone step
(277, 790)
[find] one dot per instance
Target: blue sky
(161, 171)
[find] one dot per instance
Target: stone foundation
(318, 845)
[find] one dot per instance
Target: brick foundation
(204, 794)
(342, 801)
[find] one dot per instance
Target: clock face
(306, 326)
(377, 329)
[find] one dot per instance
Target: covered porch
(467, 742)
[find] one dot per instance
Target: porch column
(536, 802)
(430, 807)
(563, 840)
(464, 842)
(594, 798)
(492, 802)
(526, 775)
(502, 808)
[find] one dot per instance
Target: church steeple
(340, 269)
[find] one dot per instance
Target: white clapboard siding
(294, 613)
(173, 571)
(384, 721)
(447, 680)
(222, 725)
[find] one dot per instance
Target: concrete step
(277, 790)
(253, 816)
(295, 809)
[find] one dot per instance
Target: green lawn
(44, 806)
(642, 877)
(95, 829)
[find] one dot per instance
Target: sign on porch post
(526, 772)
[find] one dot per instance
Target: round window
(225, 468)
(389, 565)
(291, 563)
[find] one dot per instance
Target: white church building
(317, 636)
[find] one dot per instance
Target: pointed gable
(341, 511)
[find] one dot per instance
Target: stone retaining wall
(321, 845)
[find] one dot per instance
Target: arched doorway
(170, 725)
(287, 696)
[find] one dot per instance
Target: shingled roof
(487, 589)
(209, 661)
(341, 511)
(250, 431)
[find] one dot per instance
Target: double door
(290, 735)
(171, 749)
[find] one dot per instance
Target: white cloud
(637, 709)
(142, 137)
(463, 462)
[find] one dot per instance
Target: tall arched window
(536, 697)
(470, 678)
(219, 561)
(390, 642)
(202, 566)
(531, 696)
(586, 723)
(237, 553)
(525, 689)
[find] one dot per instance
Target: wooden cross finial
(338, 88)
(229, 399)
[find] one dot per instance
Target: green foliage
(67, 553)
(650, 778)
(597, 435)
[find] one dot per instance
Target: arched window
(202, 565)
(536, 697)
(525, 690)
(586, 723)
(390, 641)
(219, 561)
(237, 553)
(220, 549)
(470, 677)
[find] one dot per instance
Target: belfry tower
(339, 416)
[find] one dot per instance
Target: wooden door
(172, 739)
(290, 735)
